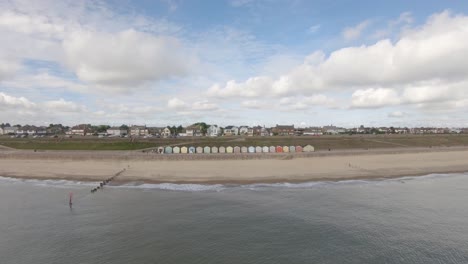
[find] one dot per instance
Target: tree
(124, 127)
(179, 129)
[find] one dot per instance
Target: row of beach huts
(236, 149)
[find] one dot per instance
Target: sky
(234, 62)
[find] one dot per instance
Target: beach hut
(214, 150)
(251, 149)
(222, 149)
(244, 149)
(258, 149)
(292, 149)
(207, 150)
(229, 149)
(298, 149)
(168, 150)
(160, 150)
(308, 148)
(272, 149)
(285, 149)
(199, 150)
(265, 149)
(279, 149)
(176, 150)
(191, 150)
(184, 150)
(237, 149)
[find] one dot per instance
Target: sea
(406, 220)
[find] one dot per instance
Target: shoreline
(291, 168)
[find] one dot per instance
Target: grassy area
(320, 143)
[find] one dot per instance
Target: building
(194, 131)
(333, 130)
(166, 132)
(283, 130)
(231, 131)
(139, 131)
(10, 130)
(80, 130)
(28, 130)
(243, 130)
(214, 131)
(313, 131)
(116, 131)
(1, 130)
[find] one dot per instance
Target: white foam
(175, 187)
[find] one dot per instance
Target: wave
(222, 187)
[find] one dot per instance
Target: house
(264, 132)
(283, 130)
(214, 131)
(27, 130)
(313, 131)
(41, 131)
(194, 131)
(257, 130)
(231, 131)
(250, 132)
(10, 130)
(80, 130)
(166, 132)
(116, 131)
(139, 131)
(333, 130)
(243, 130)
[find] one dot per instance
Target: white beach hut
(251, 149)
(292, 149)
(229, 149)
(176, 150)
(214, 150)
(308, 148)
(237, 149)
(160, 150)
(244, 149)
(222, 149)
(199, 150)
(272, 149)
(168, 150)
(265, 149)
(258, 149)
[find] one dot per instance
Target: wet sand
(344, 165)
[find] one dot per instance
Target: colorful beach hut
(237, 149)
(184, 150)
(168, 150)
(272, 149)
(176, 150)
(251, 149)
(279, 149)
(265, 149)
(292, 149)
(222, 149)
(298, 149)
(207, 150)
(244, 149)
(214, 150)
(285, 149)
(192, 150)
(229, 149)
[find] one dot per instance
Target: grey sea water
(408, 220)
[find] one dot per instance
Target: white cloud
(313, 29)
(128, 58)
(372, 98)
(8, 67)
(204, 106)
(239, 3)
(176, 103)
(397, 114)
(253, 104)
(63, 106)
(352, 33)
(7, 101)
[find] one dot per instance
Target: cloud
(240, 3)
(352, 33)
(253, 104)
(426, 64)
(176, 103)
(397, 114)
(63, 106)
(7, 101)
(313, 29)
(8, 68)
(128, 58)
(182, 106)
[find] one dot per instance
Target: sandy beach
(279, 168)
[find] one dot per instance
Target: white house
(116, 131)
(80, 130)
(26, 130)
(231, 131)
(166, 132)
(9, 130)
(243, 130)
(1, 130)
(193, 131)
(139, 131)
(214, 131)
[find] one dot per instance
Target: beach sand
(280, 168)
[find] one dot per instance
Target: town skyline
(234, 61)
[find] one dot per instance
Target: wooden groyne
(106, 181)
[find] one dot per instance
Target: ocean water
(406, 220)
